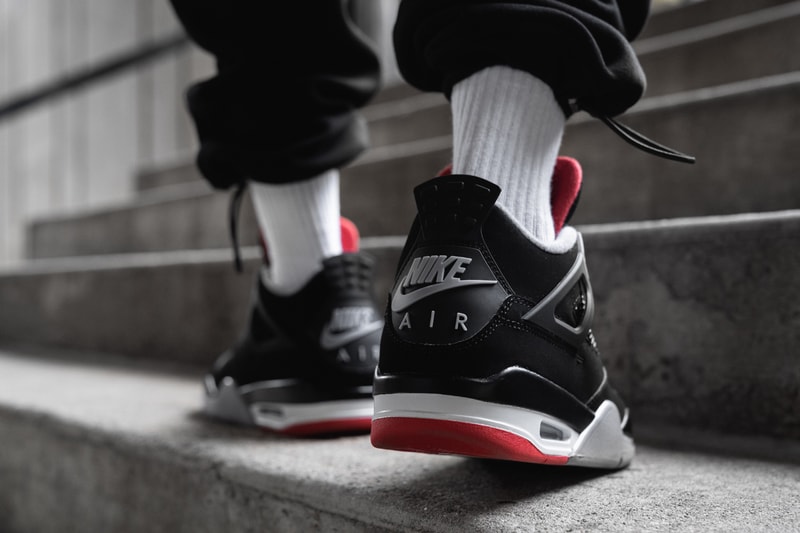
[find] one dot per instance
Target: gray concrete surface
(54, 164)
(82, 148)
(693, 14)
(176, 173)
(729, 50)
(742, 134)
(111, 448)
(179, 217)
(375, 192)
(698, 319)
(180, 306)
(418, 117)
(702, 320)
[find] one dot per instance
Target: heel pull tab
(454, 205)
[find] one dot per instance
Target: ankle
(507, 129)
(300, 223)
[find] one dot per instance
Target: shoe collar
(565, 189)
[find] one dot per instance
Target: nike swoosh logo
(331, 341)
(401, 301)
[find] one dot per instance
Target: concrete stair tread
(725, 51)
(677, 228)
(714, 28)
(92, 447)
(692, 14)
(621, 183)
(697, 319)
(191, 215)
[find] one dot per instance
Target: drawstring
(643, 143)
(636, 139)
(233, 222)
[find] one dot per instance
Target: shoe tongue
(564, 190)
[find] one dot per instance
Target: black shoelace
(628, 134)
(637, 140)
(233, 222)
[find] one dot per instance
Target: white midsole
(226, 402)
(601, 444)
(282, 415)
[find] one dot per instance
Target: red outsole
(456, 438)
(328, 427)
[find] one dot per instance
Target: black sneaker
(306, 361)
(487, 349)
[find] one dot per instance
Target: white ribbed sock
(507, 129)
(300, 223)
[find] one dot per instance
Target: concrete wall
(82, 149)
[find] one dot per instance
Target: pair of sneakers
(485, 350)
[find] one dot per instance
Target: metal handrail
(91, 74)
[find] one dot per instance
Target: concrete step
(725, 51)
(179, 217)
(692, 14)
(744, 34)
(185, 306)
(698, 319)
(406, 117)
(675, 62)
(397, 103)
(376, 194)
(423, 116)
(743, 135)
(179, 171)
(395, 91)
(90, 447)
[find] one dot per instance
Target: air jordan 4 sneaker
(305, 363)
(487, 349)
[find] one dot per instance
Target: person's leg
(300, 221)
(511, 71)
(507, 128)
(489, 350)
(281, 114)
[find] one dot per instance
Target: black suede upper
(458, 319)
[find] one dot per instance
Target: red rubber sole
(328, 427)
(456, 438)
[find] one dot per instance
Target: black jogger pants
(292, 75)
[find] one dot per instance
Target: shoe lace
(234, 208)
